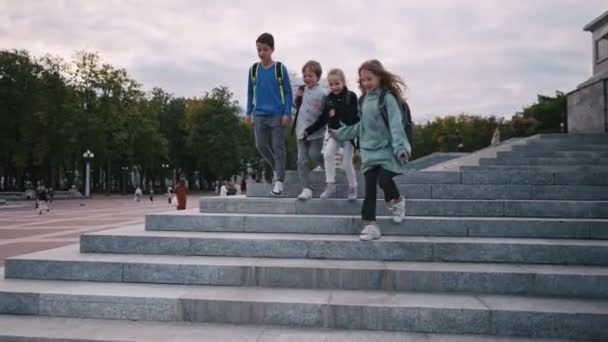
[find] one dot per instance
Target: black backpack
(406, 115)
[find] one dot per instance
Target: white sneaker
(330, 191)
(399, 211)
(278, 188)
(352, 193)
(306, 194)
(371, 231)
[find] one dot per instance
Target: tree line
(52, 110)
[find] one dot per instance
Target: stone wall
(587, 109)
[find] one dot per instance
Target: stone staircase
(494, 252)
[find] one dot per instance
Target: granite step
(410, 177)
(496, 175)
(451, 191)
(554, 154)
(15, 328)
(553, 228)
(543, 161)
(414, 207)
(552, 146)
(538, 168)
(573, 137)
(67, 263)
(135, 240)
(333, 309)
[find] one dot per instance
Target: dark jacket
(346, 106)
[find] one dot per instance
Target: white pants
(347, 161)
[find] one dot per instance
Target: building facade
(588, 104)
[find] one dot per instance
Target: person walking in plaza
(383, 142)
(151, 195)
(42, 197)
(138, 194)
(340, 109)
(309, 125)
(169, 194)
(269, 99)
(181, 192)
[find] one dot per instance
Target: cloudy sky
(486, 57)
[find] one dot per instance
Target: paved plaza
(23, 231)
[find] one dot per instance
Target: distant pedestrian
(181, 192)
(169, 194)
(243, 186)
(224, 189)
(151, 195)
(496, 137)
(42, 198)
(51, 194)
(138, 194)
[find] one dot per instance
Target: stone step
(452, 191)
(485, 175)
(601, 138)
(538, 168)
(192, 220)
(414, 207)
(333, 309)
(67, 263)
(543, 161)
(554, 154)
(411, 177)
(16, 328)
(135, 240)
(561, 147)
(494, 175)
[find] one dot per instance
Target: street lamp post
(88, 156)
(124, 179)
(165, 167)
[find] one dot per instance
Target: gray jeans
(270, 142)
(308, 151)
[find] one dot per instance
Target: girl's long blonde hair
(388, 80)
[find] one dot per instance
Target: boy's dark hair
(266, 38)
(315, 67)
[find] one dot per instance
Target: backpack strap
(360, 109)
(382, 107)
(298, 103)
(253, 74)
(278, 73)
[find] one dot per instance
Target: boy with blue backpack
(269, 101)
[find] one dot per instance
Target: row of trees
(52, 110)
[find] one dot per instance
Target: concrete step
(553, 154)
(550, 146)
(333, 309)
(495, 175)
(67, 263)
(135, 240)
(452, 191)
(410, 177)
(414, 207)
(15, 328)
(593, 138)
(543, 161)
(192, 220)
(538, 168)
(509, 176)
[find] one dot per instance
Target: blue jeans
(270, 142)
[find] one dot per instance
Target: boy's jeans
(270, 142)
(308, 150)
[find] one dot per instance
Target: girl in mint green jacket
(384, 145)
